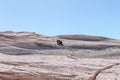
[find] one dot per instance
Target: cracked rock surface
(31, 56)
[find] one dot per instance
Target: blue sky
(53, 17)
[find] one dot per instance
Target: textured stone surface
(30, 56)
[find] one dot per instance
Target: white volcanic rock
(30, 56)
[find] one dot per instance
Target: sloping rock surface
(31, 56)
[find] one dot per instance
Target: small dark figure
(59, 42)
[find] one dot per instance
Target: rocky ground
(31, 56)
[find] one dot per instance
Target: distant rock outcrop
(20, 43)
(83, 37)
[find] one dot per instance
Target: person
(59, 42)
